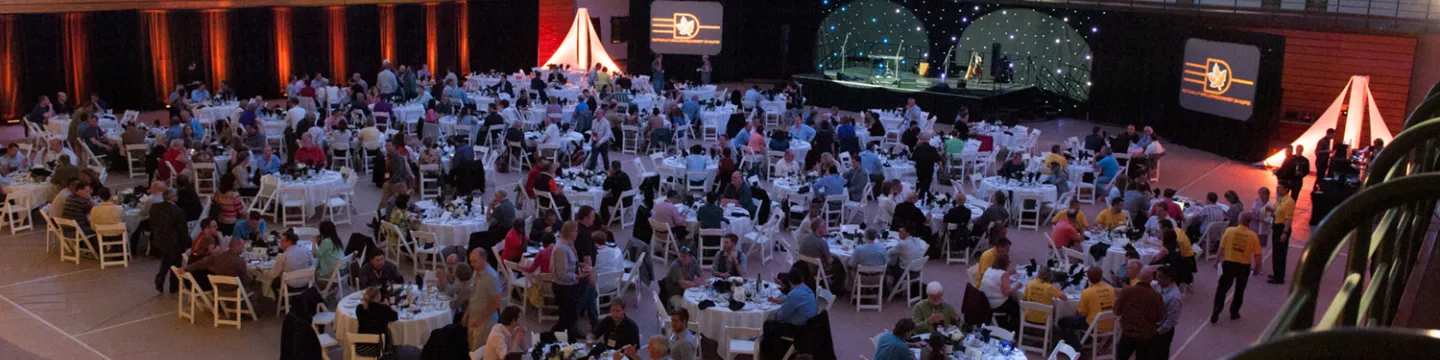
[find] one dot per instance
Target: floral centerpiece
(558, 351)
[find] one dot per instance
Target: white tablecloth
(738, 218)
(1114, 261)
(800, 148)
(569, 93)
(675, 166)
(1065, 307)
(413, 331)
(783, 187)
(317, 189)
(407, 114)
(717, 117)
(20, 186)
(704, 92)
(591, 195)
(454, 232)
(644, 101)
(217, 112)
(1045, 192)
(713, 320)
(900, 169)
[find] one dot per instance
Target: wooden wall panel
(1318, 64)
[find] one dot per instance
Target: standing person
(1141, 310)
(484, 299)
(565, 266)
(657, 73)
(1280, 235)
(704, 69)
(1292, 171)
(169, 236)
(1165, 334)
(600, 138)
(1240, 248)
(399, 169)
(1323, 148)
(925, 158)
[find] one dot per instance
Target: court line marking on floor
(1206, 322)
(51, 277)
(147, 318)
(1207, 174)
(56, 328)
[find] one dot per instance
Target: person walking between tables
(1240, 249)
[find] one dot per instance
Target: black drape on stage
(114, 43)
(252, 54)
(40, 53)
(309, 42)
(762, 39)
(1137, 71)
(362, 42)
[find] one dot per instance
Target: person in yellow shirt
(1079, 222)
(1112, 216)
(1098, 298)
(1042, 290)
(1054, 157)
(108, 212)
(1185, 269)
(1240, 250)
(999, 246)
(1280, 235)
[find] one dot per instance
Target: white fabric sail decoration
(1355, 95)
(582, 47)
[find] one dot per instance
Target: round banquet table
(407, 114)
(705, 92)
(644, 101)
(800, 148)
(218, 112)
(19, 185)
(737, 217)
(1114, 261)
(1069, 306)
(410, 329)
(454, 232)
(784, 187)
(900, 169)
(990, 185)
(569, 140)
(713, 320)
(317, 188)
(717, 117)
(845, 249)
(675, 166)
(569, 93)
(580, 194)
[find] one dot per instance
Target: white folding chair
(430, 181)
(364, 346)
(292, 207)
(869, 285)
(740, 341)
(1041, 330)
(425, 248)
(17, 215)
(72, 239)
(337, 209)
(711, 243)
(114, 243)
(911, 281)
(235, 306)
(1064, 349)
(1102, 340)
(283, 304)
(135, 158)
(191, 295)
(515, 296)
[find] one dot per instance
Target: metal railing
(1383, 228)
(1391, 15)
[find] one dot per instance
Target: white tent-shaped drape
(1356, 97)
(582, 48)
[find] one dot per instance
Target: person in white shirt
(786, 167)
(56, 149)
(908, 250)
(385, 81)
(295, 114)
(506, 337)
(553, 136)
(508, 112)
(600, 138)
(291, 258)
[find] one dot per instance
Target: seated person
(618, 331)
(374, 316)
(934, 312)
(227, 263)
(1080, 221)
(1042, 290)
(684, 274)
(1064, 235)
(291, 258)
(378, 272)
(1013, 168)
(729, 262)
(710, 215)
(250, 229)
(892, 345)
(869, 253)
(1112, 216)
(1000, 292)
(796, 308)
(1098, 298)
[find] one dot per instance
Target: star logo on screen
(1217, 77)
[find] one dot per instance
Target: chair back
(354, 339)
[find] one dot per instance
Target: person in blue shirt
(267, 162)
(753, 95)
(830, 183)
(697, 162)
(1107, 165)
(691, 108)
(198, 132)
(798, 305)
(455, 92)
(176, 128)
(199, 95)
(800, 131)
(743, 137)
(250, 229)
(892, 345)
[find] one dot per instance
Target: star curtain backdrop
(1044, 50)
(133, 59)
(874, 27)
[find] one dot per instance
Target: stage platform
(824, 90)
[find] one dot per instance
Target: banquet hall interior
(938, 179)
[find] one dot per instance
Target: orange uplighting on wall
(431, 43)
(462, 32)
(75, 53)
(282, 46)
(336, 16)
(157, 30)
(387, 31)
(8, 80)
(217, 42)
(555, 20)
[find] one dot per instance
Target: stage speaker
(994, 59)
